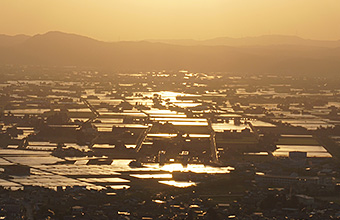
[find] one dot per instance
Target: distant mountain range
(266, 54)
(6, 40)
(265, 40)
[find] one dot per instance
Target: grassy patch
(244, 140)
(222, 186)
(193, 129)
(297, 141)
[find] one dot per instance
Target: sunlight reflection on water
(195, 168)
(179, 184)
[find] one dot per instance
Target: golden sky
(113, 20)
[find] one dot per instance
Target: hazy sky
(113, 20)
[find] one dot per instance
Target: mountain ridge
(254, 41)
(62, 49)
(274, 39)
(8, 40)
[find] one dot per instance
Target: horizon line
(164, 39)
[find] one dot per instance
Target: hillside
(61, 49)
